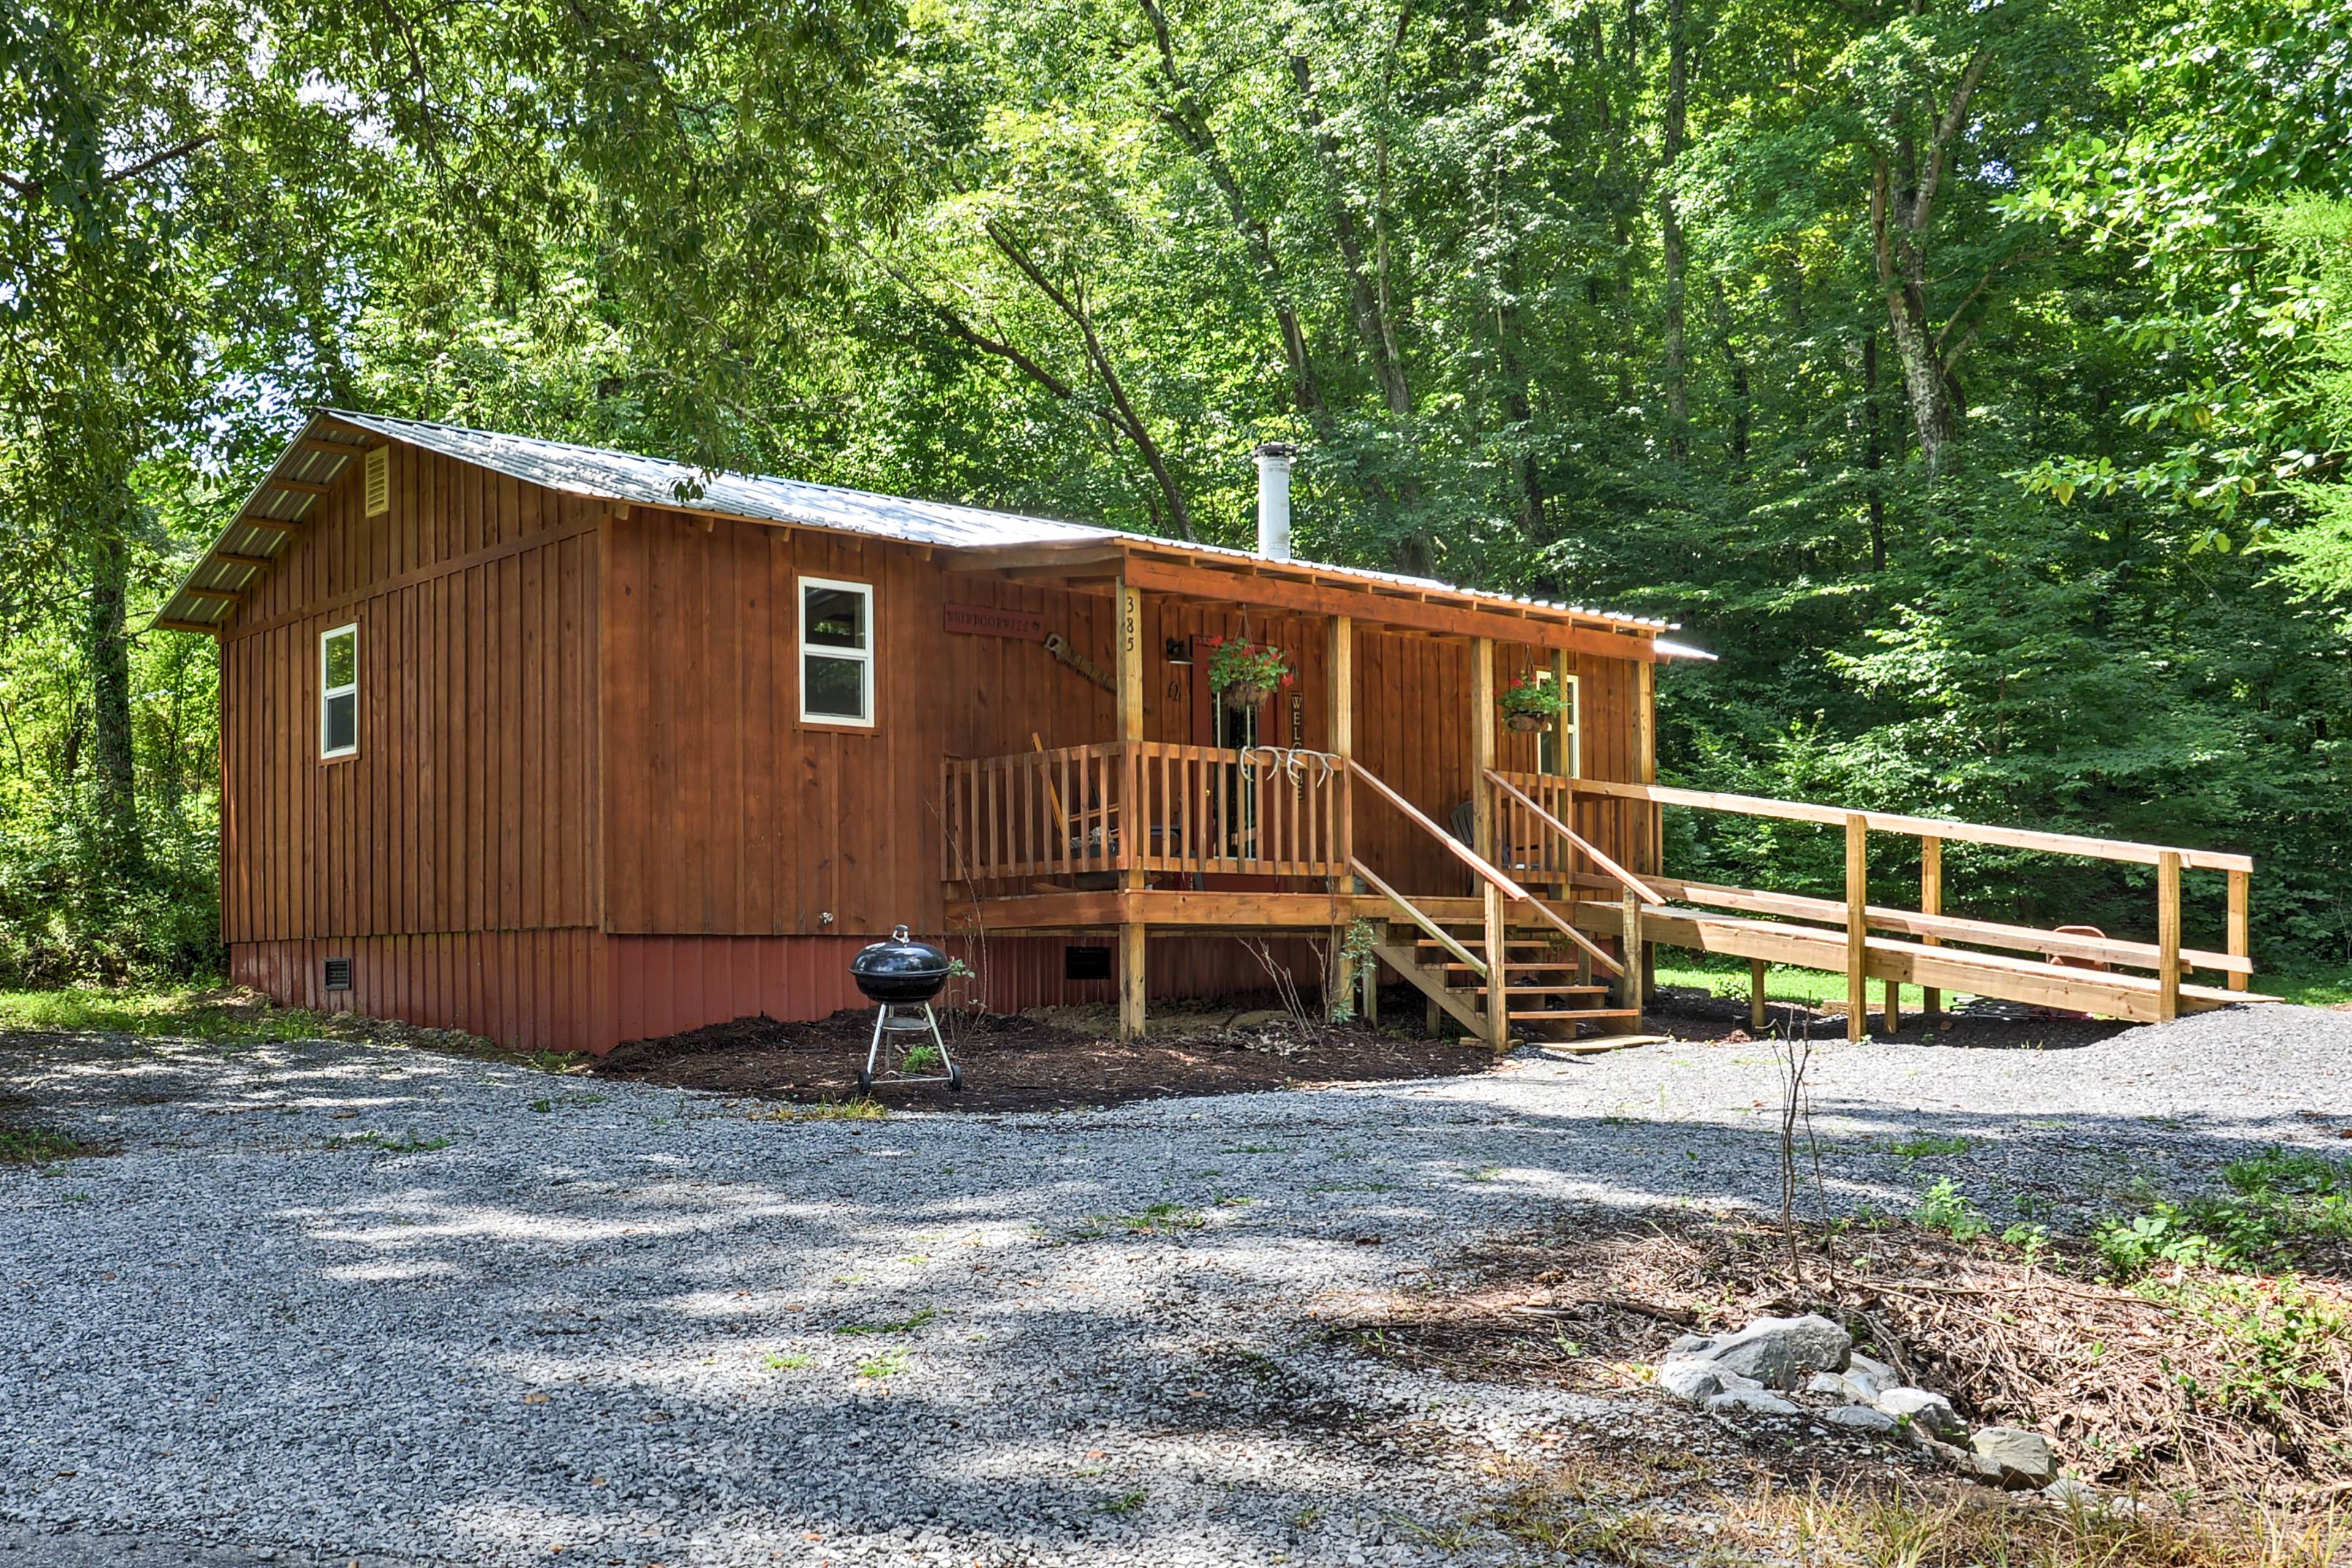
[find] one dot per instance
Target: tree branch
(1947, 127)
(1130, 422)
(178, 149)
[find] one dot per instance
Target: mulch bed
(1015, 1063)
(2192, 1383)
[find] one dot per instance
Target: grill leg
(874, 1047)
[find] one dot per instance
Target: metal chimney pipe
(1274, 498)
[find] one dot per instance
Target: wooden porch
(1137, 836)
(1530, 907)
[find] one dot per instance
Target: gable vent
(378, 480)
(339, 975)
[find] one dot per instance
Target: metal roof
(207, 595)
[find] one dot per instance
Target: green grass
(889, 1364)
(178, 1011)
(1927, 1144)
(233, 1017)
(389, 1143)
(2308, 986)
(790, 1361)
(827, 1111)
(1813, 987)
(2328, 985)
(40, 1146)
(903, 1326)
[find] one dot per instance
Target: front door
(1228, 728)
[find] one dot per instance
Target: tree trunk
(1742, 395)
(1365, 301)
(1670, 230)
(1902, 215)
(1873, 453)
(107, 654)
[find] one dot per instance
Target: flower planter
(1244, 699)
(1527, 723)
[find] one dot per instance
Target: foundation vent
(339, 975)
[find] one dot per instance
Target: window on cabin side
(339, 691)
(836, 652)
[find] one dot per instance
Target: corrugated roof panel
(632, 479)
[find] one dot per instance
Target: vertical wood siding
(583, 808)
(730, 817)
(451, 859)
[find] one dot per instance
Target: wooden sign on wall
(986, 621)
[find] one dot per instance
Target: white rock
(1837, 1387)
(1752, 1399)
(2019, 1458)
(1862, 1418)
(1930, 1413)
(1781, 1352)
(1873, 1377)
(1698, 1380)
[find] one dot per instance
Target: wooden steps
(1581, 1015)
(1542, 989)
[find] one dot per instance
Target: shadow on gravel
(621, 1323)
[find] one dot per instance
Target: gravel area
(334, 1302)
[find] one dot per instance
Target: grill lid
(907, 971)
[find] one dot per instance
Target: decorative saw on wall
(1059, 646)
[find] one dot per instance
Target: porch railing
(1143, 805)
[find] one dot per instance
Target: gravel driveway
(335, 1301)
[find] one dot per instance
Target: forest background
(1975, 379)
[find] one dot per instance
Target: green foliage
(1237, 661)
(40, 1146)
(1928, 1145)
(2280, 1342)
(2279, 1205)
(1539, 322)
(1530, 697)
(906, 1325)
(1944, 1207)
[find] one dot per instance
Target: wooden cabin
(565, 747)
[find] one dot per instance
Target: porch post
(2240, 922)
(1857, 925)
(2167, 936)
(1133, 831)
(1931, 903)
(1647, 673)
(1340, 679)
(1482, 798)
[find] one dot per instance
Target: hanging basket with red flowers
(1243, 673)
(1530, 706)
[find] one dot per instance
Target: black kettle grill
(903, 974)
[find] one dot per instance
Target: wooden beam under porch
(1241, 914)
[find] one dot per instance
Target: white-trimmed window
(1560, 751)
(836, 652)
(339, 691)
